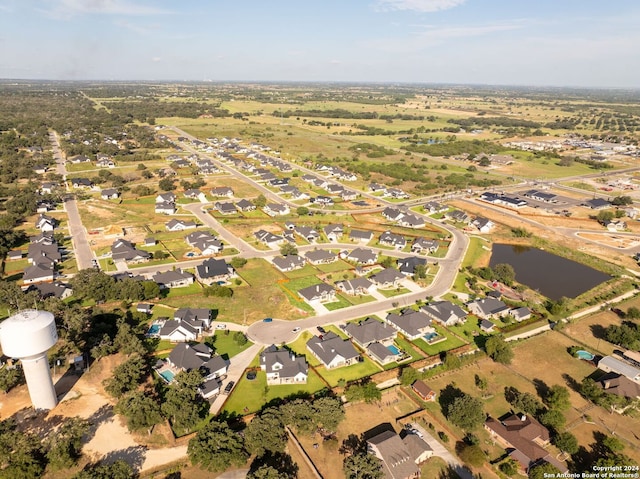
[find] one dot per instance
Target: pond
(551, 275)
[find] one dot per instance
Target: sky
(575, 43)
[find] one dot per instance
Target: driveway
(440, 451)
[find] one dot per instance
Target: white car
(221, 326)
(295, 330)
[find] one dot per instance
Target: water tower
(28, 335)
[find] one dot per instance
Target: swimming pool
(586, 355)
(154, 329)
(167, 375)
(393, 349)
(429, 337)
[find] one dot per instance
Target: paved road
(81, 249)
(440, 451)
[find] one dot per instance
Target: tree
(504, 273)
(622, 201)
(368, 392)
(472, 455)
(240, 338)
(10, 378)
(543, 471)
(557, 397)
(266, 433)
(141, 411)
(167, 184)
(420, 271)
(260, 201)
(21, 454)
(183, 405)
(64, 446)
(265, 472)
(238, 262)
(605, 216)
(299, 414)
(126, 377)
(288, 249)
(509, 467)
(216, 447)
(481, 383)
(633, 313)
(566, 442)
(498, 350)
(465, 411)
(552, 418)
(525, 402)
(328, 412)
(273, 465)
(451, 360)
(362, 466)
(118, 470)
(302, 211)
(408, 376)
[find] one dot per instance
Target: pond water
(551, 275)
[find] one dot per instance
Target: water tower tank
(28, 335)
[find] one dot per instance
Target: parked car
(321, 330)
(267, 320)
(295, 330)
(221, 326)
(229, 387)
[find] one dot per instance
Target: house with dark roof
(424, 391)
(520, 314)
(51, 290)
(411, 221)
(370, 331)
(483, 225)
(222, 191)
(376, 188)
(167, 197)
(214, 271)
(245, 205)
(173, 279)
(165, 208)
(276, 209)
(333, 232)
(204, 242)
(268, 238)
(413, 324)
(488, 308)
(486, 326)
(333, 351)
(199, 317)
(524, 439)
(308, 233)
(109, 194)
(46, 223)
(445, 312)
(613, 383)
(283, 367)
(392, 214)
(397, 461)
(387, 278)
(458, 216)
(541, 196)
(395, 193)
(180, 225)
(362, 256)
(320, 256)
(424, 245)
(360, 236)
(407, 266)
(356, 286)
(38, 273)
(82, 183)
(123, 250)
(195, 194)
(392, 239)
(225, 208)
(178, 332)
(318, 293)
(432, 207)
(597, 203)
(289, 262)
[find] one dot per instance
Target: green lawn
(225, 345)
(354, 300)
(335, 267)
(349, 373)
(341, 303)
(451, 342)
(251, 396)
(16, 266)
(297, 284)
(194, 288)
(307, 270)
(390, 293)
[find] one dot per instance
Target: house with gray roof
(225, 208)
(370, 331)
(178, 332)
(610, 364)
(283, 367)
(307, 232)
(398, 462)
(333, 232)
(407, 266)
(333, 351)
(245, 205)
(173, 279)
(318, 293)
(289, 262)
(222, 191)
(392, 239)
(123, 250)
(360, 236)
(166, 208)
(200, 317)
(445, 312)
(392, 214)
(488, 308)
(362, 256)
(38, 273)
(387, 278)
(424, 245)
(383, 354)
(320, 256)
(356, 286)
(268, 238)
(204, 242)
(413, 324)
(214, 271)
(180, 225)
(411, 221)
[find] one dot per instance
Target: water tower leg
(36, 371)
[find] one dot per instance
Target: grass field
(225, 346)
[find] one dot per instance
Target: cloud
(416, 5)
(156, 59)
(69, 8)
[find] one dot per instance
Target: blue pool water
(430, 336)
(586, 355)
(154, 329)
(167, 375)
(393, 349)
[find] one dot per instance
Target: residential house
(407, 266)
(322, 201)
(413, 324)
(222, 191)
(46, 223)
(445, 312)
(394, 240)
(204, 242)
(433, 207)
(180, 225)
(597, 203)
(38, 273)
(168, 197)
(424, 245)
(333, 351)
(397, 460)
(457, 216)
(245, 205)
(387, 278)
(613, 383)
(283, 367)
(483, 225)
(225, 208)
(524, 438)
(166, 208)
(424, 391)
(269, 239)
(48, 188)
(82, 183)
(370, 331)
(80, 159)
(396, 193)
(356, 286)
(610, 364)
(276, 209)
(411, 221)
(362, 256)
(333, 232)
(486, 326)
(51, 290)
(123, 250)
(105, 163)
(109, 194)
(289, 262)
(214, 271)
(198, 317)
(173, 279)
(360, 236)
(308, 233)
(195, 194)
(376, 188)
(488, 308)
(520, 314)
(320, 256)
(144, 308)
(318, 293)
